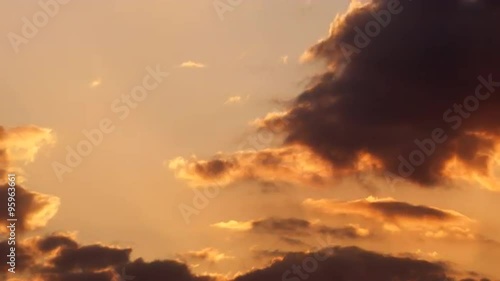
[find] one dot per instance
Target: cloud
(284, 59)
(351, 264)
(55, 241)
(208, 254)
(59, 257)
(192, 64)
(33, 210)
(396, 216)
(393, 92)
(234, 225)
(89, 257)
(286, 227)
(387, 209)
(95, 83)
(234, 99)
(280, 225)
(292, 241)
(19, 146)
(413, 102)
(293, 164)
(263, 254)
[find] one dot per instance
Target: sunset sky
(238, 140)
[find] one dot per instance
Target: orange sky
(173, 128)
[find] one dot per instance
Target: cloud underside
(420, 100)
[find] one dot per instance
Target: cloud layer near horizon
(59, 257)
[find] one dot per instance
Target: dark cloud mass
(349, 264)
(398, 87)
(59, 257)
(92, 257)
(65, 262)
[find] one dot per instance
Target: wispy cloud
(192, 64)
(232, 100)
(95, 83)
(236, 99)
(284, 59)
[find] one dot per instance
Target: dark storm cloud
(403, 85)
(349, 264)
(90, 257)
(410, 85)
(58, 257)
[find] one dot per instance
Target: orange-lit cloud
(396, 216)
(389, 211)
(291, 164)
(19, 146)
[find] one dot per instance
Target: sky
(250, 140)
